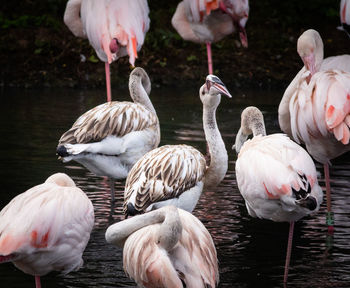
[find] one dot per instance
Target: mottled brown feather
(164, 173)
(113, 118)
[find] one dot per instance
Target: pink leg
(330, 217)
(289, 251)
(210, 61)
(108, 83)
(37, 282)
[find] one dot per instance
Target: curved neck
(138, 87)
(168, 234)
(257, 127)
(218, 154)
(72, 18)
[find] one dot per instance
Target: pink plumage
(315, 107)
(167, 247)
(47, 227)
(276, 177)
(115, 28)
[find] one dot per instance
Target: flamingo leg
(210, 61)
(289, 251)
(37, 282)
(330, 216)
(108, 82)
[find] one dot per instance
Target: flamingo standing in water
(204, 21)
(345, 16)
(115, 28)
(168, 247)
(315, 107)
(276, 177)
(111, 137)
(46, 228)
(177, 174)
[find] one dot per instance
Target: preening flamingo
(345, 16)
(46, 228)
(276, 177)
(315, 107)
(110, 138)
(204, 21)
(177, 174)
(168, 247)
(114, 28)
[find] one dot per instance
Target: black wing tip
(62, 151)
(131, 211)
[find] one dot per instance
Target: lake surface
(251, 252)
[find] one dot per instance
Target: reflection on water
(251, 252)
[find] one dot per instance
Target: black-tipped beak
(214, 81)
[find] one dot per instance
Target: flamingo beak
(310, 63)
(215, 82)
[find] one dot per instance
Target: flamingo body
(47, 227)
(114, 28)
(177, 251)
(273, 193)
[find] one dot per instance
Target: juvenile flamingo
(46, 228)
(276, 177)
(114, 28)
(315, 107)
(111, 137)
(203, 21)
(177, 174)
(168, 247)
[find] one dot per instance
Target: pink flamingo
(114, 28)
(276, 177)
(315, 107)
(168, 247)
(46, 228)
(204, 21)
(345, 16)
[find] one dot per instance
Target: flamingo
(168, 247)
(114, 28)
(177, 174)
(345, 16)
(276, 177)
(315, 107)
(111, 137)
(46, 228)
(203, 21)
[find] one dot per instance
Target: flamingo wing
(164, 173)
(112, 118)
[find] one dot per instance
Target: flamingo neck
(168, 234)
(138, 87)
(218, 154)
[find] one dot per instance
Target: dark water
(251, 252)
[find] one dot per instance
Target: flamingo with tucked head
(276, 177)
(46, 228)
(315, 107)
(168, 247)
(114, 28)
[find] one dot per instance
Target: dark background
(38, 50)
